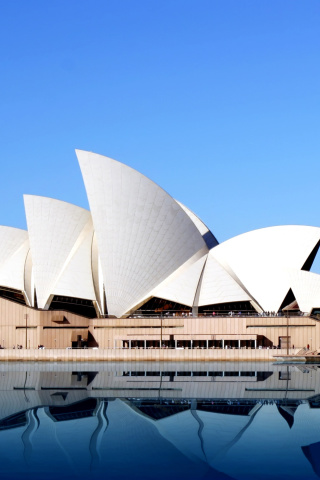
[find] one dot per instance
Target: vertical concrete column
(130, 344)
(239, 344)
(222, 343)
(145, 344)
(175, 343)
(207, 344)
(191, 344)
(255, 343)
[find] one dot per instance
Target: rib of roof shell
(181, 286)
(218, 286)
(207, 235)
(60, 241)
(143, 235)
(259, 260)
(200, 283)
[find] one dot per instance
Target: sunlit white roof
(182, 285)
(60, 240)
(306, 289)
(259, 260)
(14, 246)
(143, 235)
(203, 229)
(218, 286)
(137, 242)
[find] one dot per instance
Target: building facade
(140, 270)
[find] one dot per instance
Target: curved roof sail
(218, 286)
(143, 234)
(60, 241)
(137, 242)
(259, 260)
(14, 247)
(207, 235)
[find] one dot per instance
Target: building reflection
(196, 421)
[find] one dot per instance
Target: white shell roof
(217, 286)
(14, 247)
(143, 235)
(306, 289)
(60, 240)
(259, 260)
(140, 243)
(207, 235)
(203, 229)
(76, 278)
(181, 286)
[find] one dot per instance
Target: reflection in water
(33, 424)
(151, 421)
(96, 438)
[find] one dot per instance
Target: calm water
(150, 421)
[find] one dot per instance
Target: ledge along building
(140, 270)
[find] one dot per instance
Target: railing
(48, 349)
(201, 348)
(222, 313)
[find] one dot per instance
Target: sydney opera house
(141, 270)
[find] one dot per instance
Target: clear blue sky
(217, 101)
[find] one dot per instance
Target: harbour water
(218, 420)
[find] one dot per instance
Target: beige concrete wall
(302, 330)
(54, 329)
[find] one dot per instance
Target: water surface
(150, 421)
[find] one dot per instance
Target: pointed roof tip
(86, 154)
(26, 197)
(79, 152)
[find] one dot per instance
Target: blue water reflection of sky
(78, 432)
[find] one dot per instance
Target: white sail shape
(138, 242)
(217, 286)
(14, 247)
(76, 278)
(203, 229)
(143, 235)
(207, 235)
(181, 287)
(60, 244)
(259, 260)
(306, 289)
